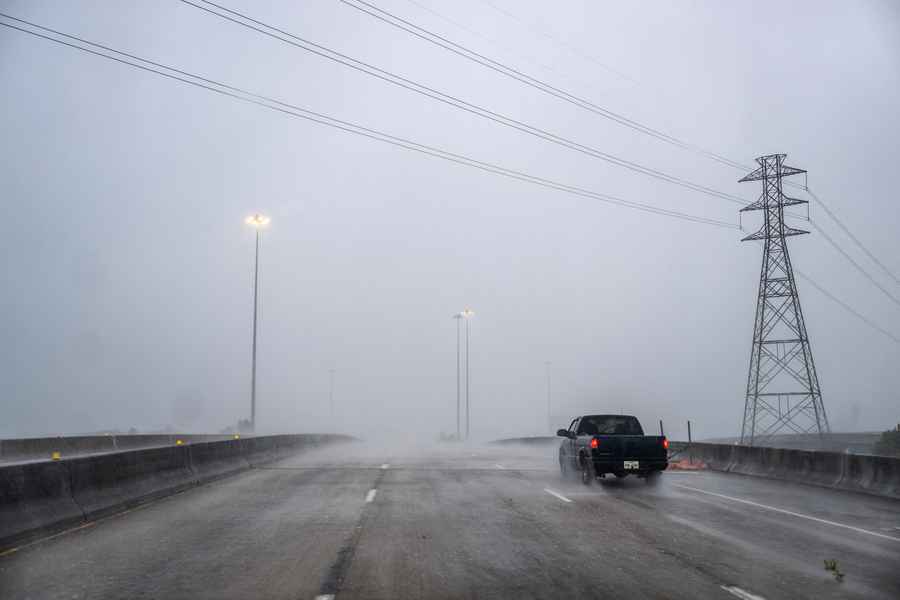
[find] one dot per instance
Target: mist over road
(357, 521)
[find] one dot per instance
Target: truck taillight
(666, 443)
(595, 443)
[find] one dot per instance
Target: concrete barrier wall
(876, 474)
(109, 482)
(211, 460)
(37, 498)
(879, 475)
(28, 449)
(260, 449)
(138, 441)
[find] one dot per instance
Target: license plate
(631, 465)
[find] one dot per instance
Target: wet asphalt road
(486, 522)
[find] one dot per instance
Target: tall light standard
(457, 316)
(257, 221)
(549, 417)
(467, 314)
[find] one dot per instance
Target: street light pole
(253, 360)
(257, 221)
(457, 316)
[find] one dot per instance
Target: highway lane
(357, 521)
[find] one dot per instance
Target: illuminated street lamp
(256, 221)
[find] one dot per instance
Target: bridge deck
(470, 523)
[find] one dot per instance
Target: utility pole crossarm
(761, 203)
(762, 234)
(760, 173)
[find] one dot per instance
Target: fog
(126, 298)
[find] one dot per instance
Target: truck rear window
(610, 425)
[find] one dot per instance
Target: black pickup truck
(599, 444)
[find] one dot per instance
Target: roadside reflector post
(55, 455)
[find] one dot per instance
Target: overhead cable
(286, 37)
(504, 69)
(309, 115)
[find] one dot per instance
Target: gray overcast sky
(127, 268)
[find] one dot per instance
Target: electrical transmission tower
(782, 386)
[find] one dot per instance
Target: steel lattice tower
(782, 386)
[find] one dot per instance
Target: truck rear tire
(587, 477)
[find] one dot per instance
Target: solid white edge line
(742, 594)
(557, 494)
(371, 495)
(789, 512)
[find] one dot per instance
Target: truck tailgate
(630, 447)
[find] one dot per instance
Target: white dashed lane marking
(371, 495)
(742, 594)
(557, 494)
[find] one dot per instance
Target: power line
(411, 85)
(555, 39)
(499, 67)
(511, 72)
(859, 268)
(456, 102)
(248, 22)
(242, 95)
(843, 304)
(346, 60)
(847, 307)
(496, 117)
(494, 42)
(299, 112)
(851, 236)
